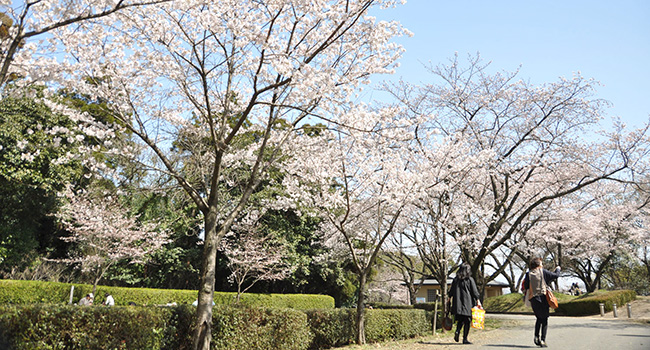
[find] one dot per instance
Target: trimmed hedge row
(421, 306)
(73, 327)
(69, 327)
(30, 292)
(589, 303)
(383, 325)
(335, 328)
(55, 327)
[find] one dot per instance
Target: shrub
(589, 304)
(427, 306)
(378, 305)
(73, 327)
(292, 301)
(335, 328)
(236, 328)
(383, 325)
(50, 326)
(420, 306)
(30, 292)
(331, 328)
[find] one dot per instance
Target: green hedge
(588, 304)
(335, 328)
(72, 327)
(69, 327)
(378, 305)
(383, 325)
(421, 306)
(54, 327)
(331, 328)
(292, 301)
(261, 329)
(31, 292)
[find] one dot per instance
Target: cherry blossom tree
(24, 22)
(592, 229)
(448, 170)
(215, 71)
(361, 193)
(386, 286)
(104, 235)
(535, 136)
(643, 228)
(399, 253)
(253, 255)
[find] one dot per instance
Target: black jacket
(464, 295)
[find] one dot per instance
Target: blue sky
(605, 40)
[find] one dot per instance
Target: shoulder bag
(550, 298)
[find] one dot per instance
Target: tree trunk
(95, 288)
(412, 293)
(203, 332)
(361, 315)
(481, 281)
(445, 291)
(441, 277)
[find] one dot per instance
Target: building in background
(427, 293)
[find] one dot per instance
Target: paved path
(573, 333)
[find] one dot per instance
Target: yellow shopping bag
(478, 317)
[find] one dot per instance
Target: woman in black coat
(464, 296)
(537, 280)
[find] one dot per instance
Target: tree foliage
(37, 148)
(104, 235)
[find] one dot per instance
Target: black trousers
(464, 324)
(540, 308)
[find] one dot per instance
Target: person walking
(464, 295)
(537, 280)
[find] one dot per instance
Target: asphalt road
(516, 332)
(574, 333)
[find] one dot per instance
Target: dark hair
(464, 271)
(535, 262)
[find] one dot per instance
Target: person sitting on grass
(86, 301)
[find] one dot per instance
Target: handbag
(550, 297)
(447, 322)
(478, 317)
(552, 300)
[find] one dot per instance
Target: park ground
(516, 332)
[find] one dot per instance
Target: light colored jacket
(537, 283)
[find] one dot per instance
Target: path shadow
(632, 335)
(511, 346)
(438, 343)
(603, 324)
